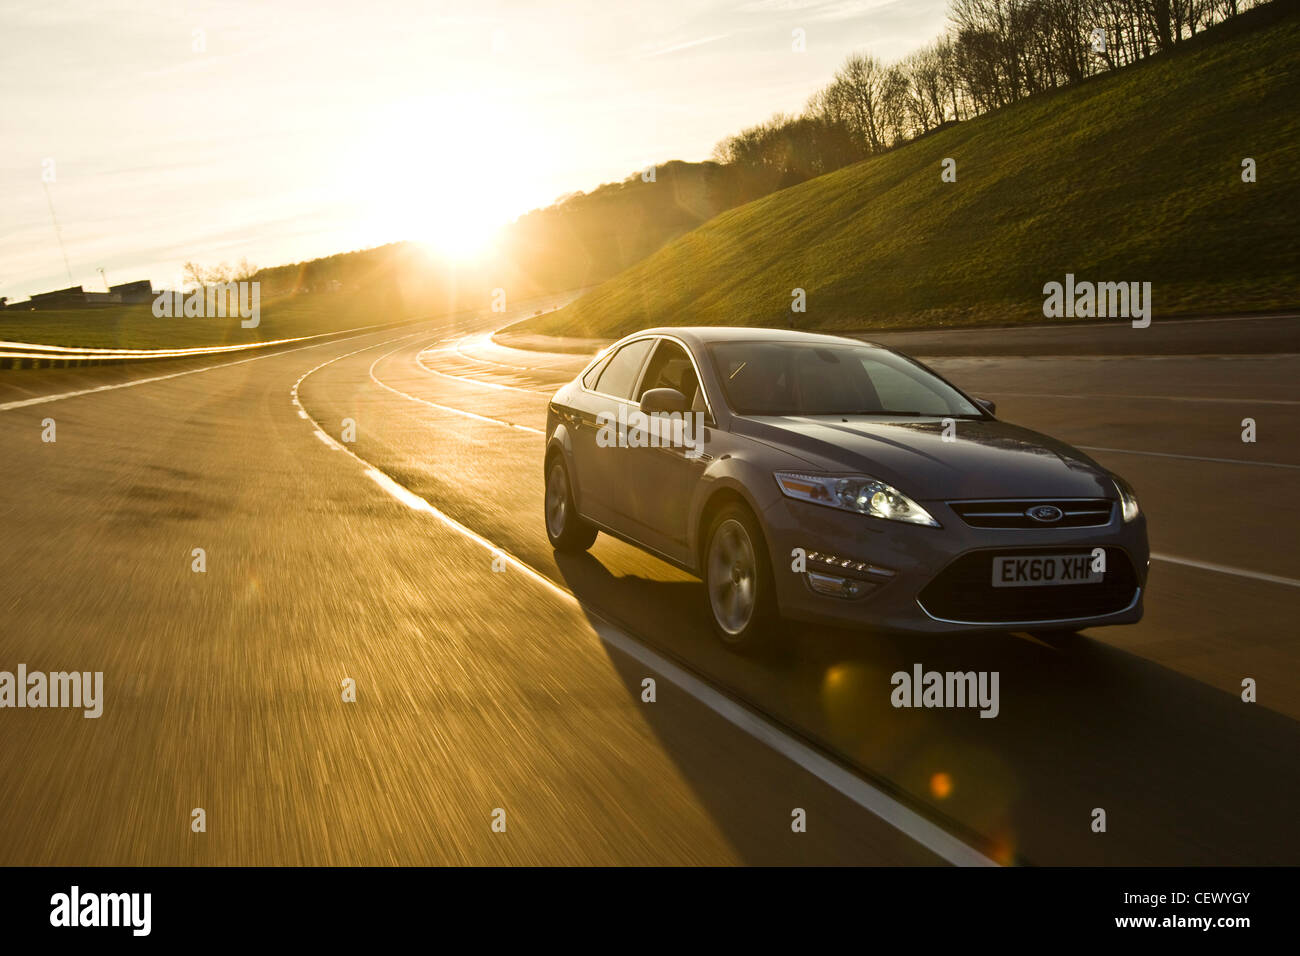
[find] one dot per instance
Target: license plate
(1039, 570)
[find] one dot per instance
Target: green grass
(135, 327)
(1132, 176)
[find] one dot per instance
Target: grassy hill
(1130, 176)
(134, 326)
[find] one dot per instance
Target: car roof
(697, 335)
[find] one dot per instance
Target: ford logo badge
(1045, 513)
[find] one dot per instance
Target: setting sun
(442, 172)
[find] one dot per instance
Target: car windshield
(789, 378)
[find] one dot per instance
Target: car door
(663, 475)
(599, 446)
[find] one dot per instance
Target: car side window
(619, 376)
(593, 373)
(671, 368)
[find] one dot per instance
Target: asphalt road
(492, 674)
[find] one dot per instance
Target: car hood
(987, 459)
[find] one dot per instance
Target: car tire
(738, 581)
(565, 528)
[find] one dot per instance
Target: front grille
(964, 591)
(1011, 513)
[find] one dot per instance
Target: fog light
(848, 564)
(832, 586)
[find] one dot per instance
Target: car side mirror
(664, 400)
(989, 406)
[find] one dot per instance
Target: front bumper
(935, 580)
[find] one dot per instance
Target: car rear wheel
(738, 579)
(564, 526)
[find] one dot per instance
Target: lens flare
(941, 785)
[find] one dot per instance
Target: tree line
(992, 53)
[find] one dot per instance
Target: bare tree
(194, 275)
(953, 89)
(924, 70)
(855, 95)
(896, 104)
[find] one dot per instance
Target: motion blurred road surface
(494, 675)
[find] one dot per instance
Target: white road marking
(460, 348)
(445, 408)
(1226, 569)
(293, 392)
(906, 821)
(485, 340)
(474, 381)
(1165, 454)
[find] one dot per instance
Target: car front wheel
(738, 579)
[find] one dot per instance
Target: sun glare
(437, 172)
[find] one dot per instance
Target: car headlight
(1128, 503)
(858, 493)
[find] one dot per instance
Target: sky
(155, 132)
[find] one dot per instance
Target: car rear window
(619, 376)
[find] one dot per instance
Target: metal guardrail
(30, 355)
(19, 360)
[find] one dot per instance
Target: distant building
(132, 293)
(73, 297)
(102, 298)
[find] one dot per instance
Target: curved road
(493, 674)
